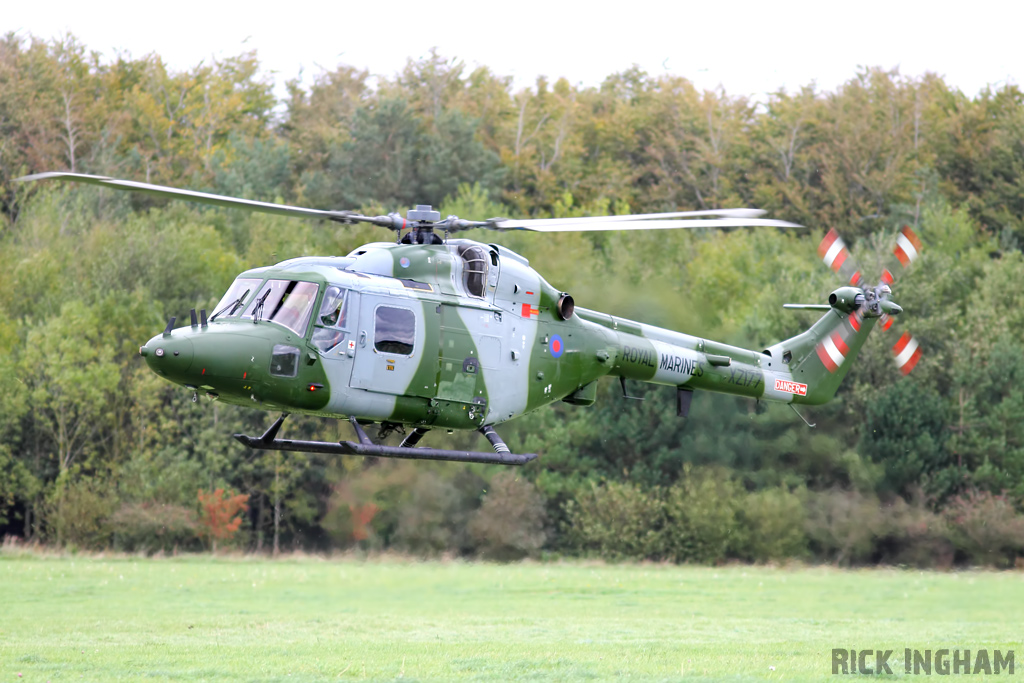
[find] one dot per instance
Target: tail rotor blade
(908, 248)
(835, 254)
(906, 352)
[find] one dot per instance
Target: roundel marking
(556, 346)
(404, 262)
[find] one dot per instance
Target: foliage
(362, 515)
(844, 525)
(77, 512)
(905, 429)
(772, 524)
(509, 525)
(417, 508)
(219, 515)
(704, 518)
(915, 536)
(154, 527)
(616, 521)
(89, 438)
(700, 517)
(986, 528)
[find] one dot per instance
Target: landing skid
(501, 456)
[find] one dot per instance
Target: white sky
(748, 47)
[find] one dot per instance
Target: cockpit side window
(334, 308)
(231, 303)
(332, 320)
(474, 270)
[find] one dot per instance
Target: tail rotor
(877, 304)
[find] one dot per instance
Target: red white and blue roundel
(556, 346)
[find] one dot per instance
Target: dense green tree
(89, 435)
(905, 429)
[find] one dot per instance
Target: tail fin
(821, 356)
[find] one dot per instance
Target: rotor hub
(423, 212)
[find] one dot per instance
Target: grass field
(199, 618)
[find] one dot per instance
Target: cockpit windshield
(285, 302)
(231, 303)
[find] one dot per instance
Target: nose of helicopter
(170, 356)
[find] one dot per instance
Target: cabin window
(232, 302)
(285, 302)
(332, 320)
(474, 270)
(284, 362)
(394, 330)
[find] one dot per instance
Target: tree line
(95, 451)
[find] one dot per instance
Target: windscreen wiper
(257, 312)
(233, 306)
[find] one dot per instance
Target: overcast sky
(749, 48)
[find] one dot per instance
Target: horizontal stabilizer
(807, 307)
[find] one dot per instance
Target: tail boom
(807, 368)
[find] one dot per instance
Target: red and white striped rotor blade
(908, 248)
(834, 253)
(906, 352)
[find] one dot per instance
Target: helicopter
(429, 332)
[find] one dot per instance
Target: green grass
(199, 618)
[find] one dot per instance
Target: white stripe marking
(833, 251)
(906, 353)
(833, 352)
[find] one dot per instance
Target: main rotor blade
(717, 218)
(534, 223)
(602, 223)
(205, 197)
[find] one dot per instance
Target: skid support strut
(414, 438)
(501, 456)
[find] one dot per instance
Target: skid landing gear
(408, 450)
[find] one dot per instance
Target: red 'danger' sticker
(791, 387)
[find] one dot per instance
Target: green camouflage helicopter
(436, 333)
